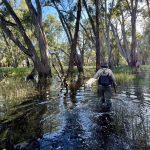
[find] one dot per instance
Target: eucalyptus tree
(37, 54)
(95, 24)
(10, 52)
(132, 6)
(106, 20)
(73, 52)
(143, 43)
(118, 17)
(54, 33)
(126, 13)
(148, 6)
(70, 20)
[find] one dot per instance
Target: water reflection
(75, 119)
(134, 111)
(23, 124)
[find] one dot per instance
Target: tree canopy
(79, 32)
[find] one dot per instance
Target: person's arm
(113, 77)
(92, 80)
(114, 84)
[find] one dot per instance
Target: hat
(104, 65)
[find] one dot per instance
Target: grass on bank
(9, 71)
(123, 74)
(14, 88)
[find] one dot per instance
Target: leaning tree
(12, 25)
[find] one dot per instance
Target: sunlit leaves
(53, 29)
(26, 19)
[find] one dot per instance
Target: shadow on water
(75, 119)
(23, 123)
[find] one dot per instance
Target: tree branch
(32, 11)
(19, 25)
(8, 23)
(39, 10)
(12, 37)
(64, 23)
(148, 5)
(90, 18)
(129, 7)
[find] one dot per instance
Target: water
(75, 120)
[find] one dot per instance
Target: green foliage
(56, 36)
(145, 68)
(123, 78)
(123, 69)
(14, 71)
(14, 90)
(53, 30)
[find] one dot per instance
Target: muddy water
(76, 120)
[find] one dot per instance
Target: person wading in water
(106, 79)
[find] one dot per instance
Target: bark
(120, 48)
(73, 53)
(97, 36)
(133, 12)
(74, 56)
(41, 64)
(82, 49)
(148, 6)
(95, 28)
(31, 75)
(37, 21)
(126, 43)
(64, 23)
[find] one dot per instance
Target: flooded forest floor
(76, 120)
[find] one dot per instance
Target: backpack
(105, 79)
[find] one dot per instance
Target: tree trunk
(40, 34)
(120, 48)
(126, 43)
(107, 36)
(74, 57)
(41, 63)
(133, 43)
(97, 36)
(95, 29)
(133, 33)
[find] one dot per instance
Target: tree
(66, 21)
(40, 61)
(73, 54)
(95, 27)
(124, 11)
(133, 11)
